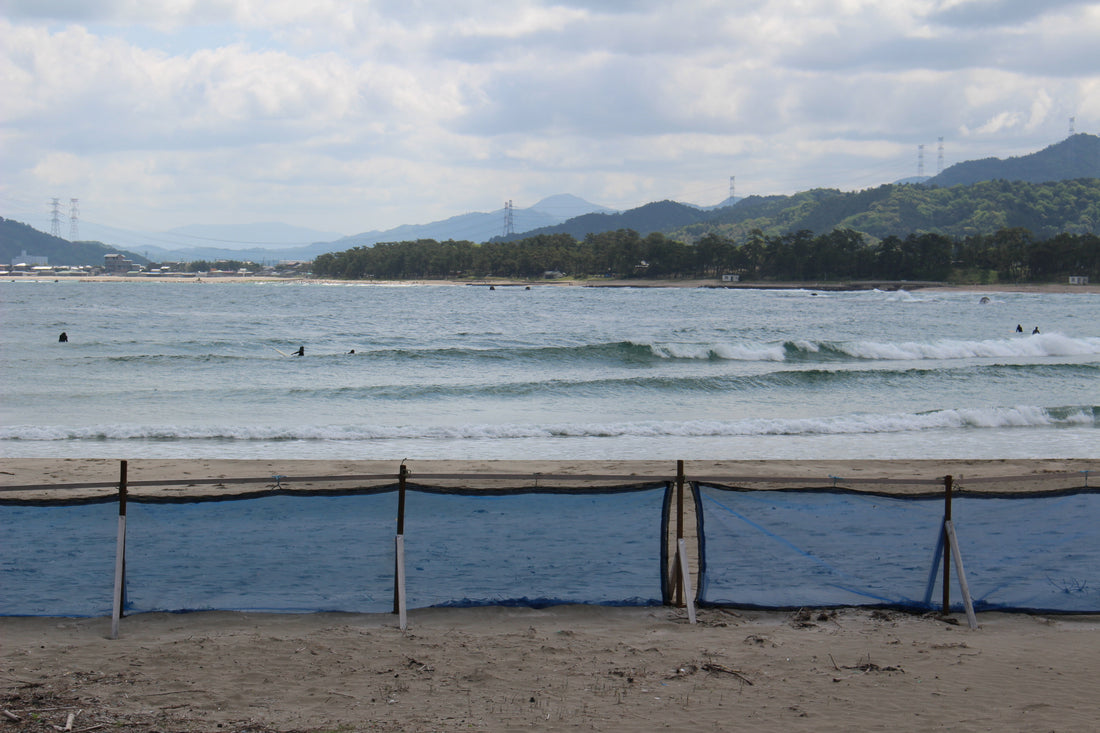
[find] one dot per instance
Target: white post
(120, 564)
(685, 579)
(399, 589)
(963, 586)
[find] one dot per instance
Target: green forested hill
(16, 237)
(1045, 209)
(1078, 156)
(1052, 191)
(655, 217)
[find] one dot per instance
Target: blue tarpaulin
(794, 548)
(309, 552)
(477, 548)
(56, 559)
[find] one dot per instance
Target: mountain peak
(566, 206)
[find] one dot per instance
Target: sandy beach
(561, 668)
(47, 477)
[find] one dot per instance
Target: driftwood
(714, 667)
(865, 666)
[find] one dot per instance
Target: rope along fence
(617, 540)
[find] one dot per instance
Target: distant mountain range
(224, 242)
(953, 202)
(480, 227)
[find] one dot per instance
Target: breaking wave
(858, 424)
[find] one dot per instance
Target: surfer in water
(1035, 331)
(1019, 328)
(63, 338)
(301, 351)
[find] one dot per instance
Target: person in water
(63, 338)
(1019, 328)
(1035, 331)
(301, 351)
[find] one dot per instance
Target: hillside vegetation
(1048, 192)
(1045, 209)
(1078, 156)
(16, 237)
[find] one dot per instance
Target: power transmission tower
(731, 188)
(939, 157)
(55, 217)
(509, 224)
(1072, 125)
(74, 214)
(920, 160)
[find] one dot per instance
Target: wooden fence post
(678, 564)
(399, 582)
(398, 561)
(947, 485)
(120, 555)
(968, 604)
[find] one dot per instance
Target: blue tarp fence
(536, 548)
(334, 551)
(288, 550)
(276, 553)
(796, 548)
(57, 559)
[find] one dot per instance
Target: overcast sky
(350, 116)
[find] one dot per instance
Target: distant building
(1078, 279)
(731, 278)
(29, 260)
(117, 264)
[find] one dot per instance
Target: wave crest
(865, 424)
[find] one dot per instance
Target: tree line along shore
(1009, 256)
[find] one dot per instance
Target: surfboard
(281, 352)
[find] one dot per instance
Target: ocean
(188, 369)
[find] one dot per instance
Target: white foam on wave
(1037, 345)
(1030, 346)
(954, 419)
(728, 352)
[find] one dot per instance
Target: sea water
(199, 369)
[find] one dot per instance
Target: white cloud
(365, 115)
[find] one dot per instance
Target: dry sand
(563, 668)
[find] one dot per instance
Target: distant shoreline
(713, 283)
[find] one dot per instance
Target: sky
(356, 115)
